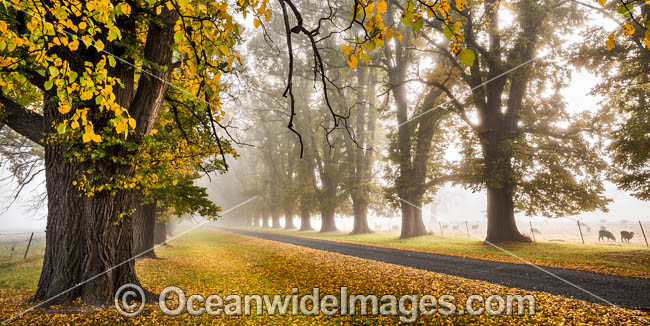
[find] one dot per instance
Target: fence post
(643, 232)
(28, 244)
(531, 230)
(439, 224)
(467, 228)
(580, 229)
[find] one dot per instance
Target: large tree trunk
(288, 218)
(84, 239)
(160, 233)
(327, 217)
(103, 227)
(500, 202)
(275, 219)
(360, 208)
(412, 224)
(144, 225)
(65, 245)
(501, 218)
(305, 218)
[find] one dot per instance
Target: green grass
(618, 260)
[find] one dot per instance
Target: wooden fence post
(643, 232)
(580, 229)
(467, 228)
(531, 230)
(439, 224)
(28, 244)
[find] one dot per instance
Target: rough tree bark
(160, 233)
(144, 225)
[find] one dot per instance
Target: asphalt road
(621, 291)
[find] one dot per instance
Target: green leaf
(178, 36)
(61, 128)
(417, 25)
(111, 61)
(53, 71)
(73, 76)
(48, 85)
(467, 57)
(625, 11)
(449, 34)
(407, 19)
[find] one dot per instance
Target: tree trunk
(275, 219)
(288, 218)
(305, 218)
(84, 239)
(265, 219)
(327, 217)
(500, 202)
(65, 245)
(160, 233)
(501, 218)
(103, 227)
(412, 224)
(360, 208)
(144, 225)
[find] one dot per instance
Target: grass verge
(614, 260)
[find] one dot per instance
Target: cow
(455, 227)
(475, 227)
(445, 226)
(626, 236)
(605, 234)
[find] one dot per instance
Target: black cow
(626, 236)
(605, 234)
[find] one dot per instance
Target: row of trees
(519, 141)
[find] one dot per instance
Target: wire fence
(21, 246)
(625, 233)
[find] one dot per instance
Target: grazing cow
(626, 236)
(588, 229)
(605, 234)
(444, 226)
(455, 227)
(475, 227)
